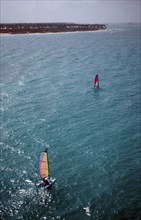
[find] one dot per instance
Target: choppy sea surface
(93, 137)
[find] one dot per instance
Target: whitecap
(29, 182)
(42, 119)
(22, 191)
(24, 171)
(20, 83)
(87, 210)
(12, 181)
(2, 109)
(4, 95)
(25, 192)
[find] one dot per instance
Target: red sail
(96, 81)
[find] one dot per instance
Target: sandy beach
(67, 32)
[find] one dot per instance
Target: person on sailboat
(47, 182)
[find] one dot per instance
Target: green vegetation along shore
(27, 28)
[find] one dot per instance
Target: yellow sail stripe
(47, 165)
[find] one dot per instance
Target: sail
(96, 81)
(44, 166)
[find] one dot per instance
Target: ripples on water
(47, 100)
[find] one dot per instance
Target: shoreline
(47, 28)
(65, 32)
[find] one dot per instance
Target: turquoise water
(94, 137)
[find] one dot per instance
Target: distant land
(27, 28)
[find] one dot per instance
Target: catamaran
(96, 82)
(46, 182)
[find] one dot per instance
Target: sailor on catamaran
(47, 182)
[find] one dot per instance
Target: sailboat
(44, 171)
(96, 82)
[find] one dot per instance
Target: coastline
(48, 33)
(48, 28)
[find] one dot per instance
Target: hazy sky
(77, 11)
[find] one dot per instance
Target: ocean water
(93, 137)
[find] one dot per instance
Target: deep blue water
(94, 137)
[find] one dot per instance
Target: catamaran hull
(41, 184)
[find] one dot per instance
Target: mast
(48, 165)
(46, 151)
